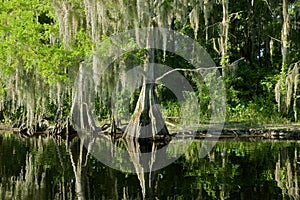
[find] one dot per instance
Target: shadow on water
(47, 168)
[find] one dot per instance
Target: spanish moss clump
(286, 92)
(28, 95)
(194, 20)
(69, 18)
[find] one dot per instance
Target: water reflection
(44, 168)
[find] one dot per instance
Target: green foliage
(171, 110)
(255, 113)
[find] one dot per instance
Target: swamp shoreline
(230, 130)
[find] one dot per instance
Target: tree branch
(185, 70)
(274, 38)
(198, 69)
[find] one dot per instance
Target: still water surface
(44, 168)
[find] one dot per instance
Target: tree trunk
(147, 120)
(284, 36)
(224, 36)
(283, 88)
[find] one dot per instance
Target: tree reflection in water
(47, 168)
(144, 168)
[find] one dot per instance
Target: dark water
(49, 169)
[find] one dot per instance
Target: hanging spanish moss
(207, 9)
(69, 18)
(27, 95)
(287, 94)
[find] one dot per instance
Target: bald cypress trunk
(147, 120)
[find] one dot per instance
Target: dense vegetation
(42, 44)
